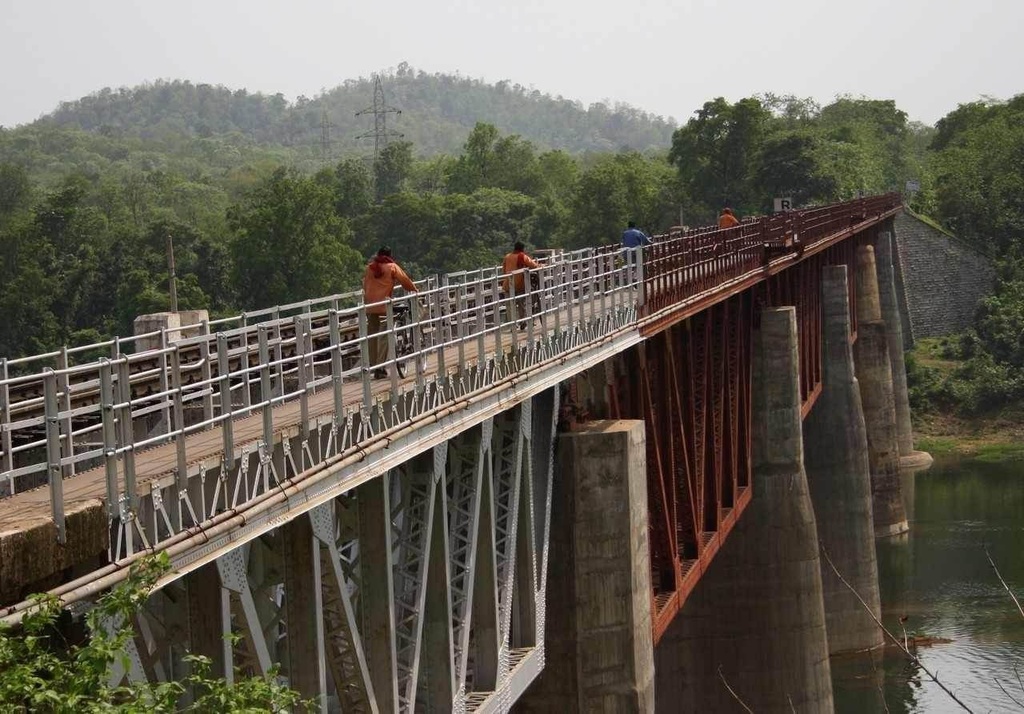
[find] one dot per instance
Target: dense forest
(260, 215)
(439, 112)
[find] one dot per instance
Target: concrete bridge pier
(909, 458)
(874, 374)
(836, 459)
(599, 655)
(755, 622)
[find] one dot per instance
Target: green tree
(289, 243)
(41, 672)
(392, 168)
(352, 185)
(490, 160)
(791, 164)
(716, 151)
(617, 189)
(978, 176)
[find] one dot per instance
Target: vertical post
(417, 342)
(181, 469)
(6, 438)
(64, 404)
(441, 334)
(53, 471)
(109, 435)
(207, 372)
(266, 397)
(165, 411)
(481, 330)
(392, 360)
(224, 377)
(243, 364)
(170, 269)
(301, 324)
(460, 319)
(364, 357)
(336, 366)
(278, 354)
(528, 302)
(639, 277)
(498, 324)
(124, 387)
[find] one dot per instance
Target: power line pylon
(380, 110)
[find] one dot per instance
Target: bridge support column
(599, 650)
(756, 618)
(894, 337)
(836, 459)
(874, 374)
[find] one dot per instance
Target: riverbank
(990, 439)
(994, 437)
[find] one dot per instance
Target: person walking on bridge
(633, 241)
(382, 273)
(517, 262)
(727, 219)
(633, 237)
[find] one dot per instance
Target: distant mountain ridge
(438, 112)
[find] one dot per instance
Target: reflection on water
(939, 579)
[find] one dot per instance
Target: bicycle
(404, 343)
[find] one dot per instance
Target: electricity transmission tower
(380, 110)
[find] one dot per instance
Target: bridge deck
(87, 489)
(593, 294)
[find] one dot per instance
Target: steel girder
(421, 590)
(690, 383)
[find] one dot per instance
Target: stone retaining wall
(939, 279)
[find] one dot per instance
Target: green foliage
(792, 163)
(392, 168)
(978, 176)
(617, 189)
(41, 671)
(715, 153)
(439, 110)
(289, 243)
(89, 195)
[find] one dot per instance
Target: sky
(666, 57)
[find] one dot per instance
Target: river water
(940, 580)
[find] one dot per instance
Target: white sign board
(783, 204)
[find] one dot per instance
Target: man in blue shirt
(633, 237)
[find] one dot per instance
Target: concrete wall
(939, 279)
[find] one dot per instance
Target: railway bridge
(608, 494)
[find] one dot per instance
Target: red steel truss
(690, 381)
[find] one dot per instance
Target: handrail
(453, 335)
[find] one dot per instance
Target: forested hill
(438, 112)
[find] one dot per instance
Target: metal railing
(458, 335)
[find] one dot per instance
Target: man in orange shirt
(378, 283)
(727, 219)
(517, 260)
